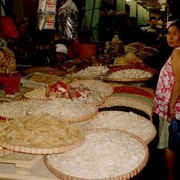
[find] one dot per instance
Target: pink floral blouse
(163, 91)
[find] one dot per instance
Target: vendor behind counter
(61, 54)
(63, 61)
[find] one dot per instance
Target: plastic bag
(174, 135)
(47, 6)
(46, 14)
(68, 20)
(46, 21)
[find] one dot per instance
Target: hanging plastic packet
(47, 6)
(68, 20)
(51, 6)
(41, 5)
(46, 21)
(46, 14)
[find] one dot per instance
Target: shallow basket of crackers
(37, 79)
(66, 109)
(135, 72)
(40, 134)
(91, 72)
(129, 75)
(115, 117)
(47, 70)
(92, 91)
(138, 106)
(105, 154)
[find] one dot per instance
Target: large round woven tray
(147, 92)
(97, 88)
(129, 102)
(128, 121)
(35, 139)
(30, 150)
(135, 72)
(43, 97)
(127, 79)
(77, 118)
(92, 72)
(48, 70)
(127, 175)
(103, 88)
(37, 94)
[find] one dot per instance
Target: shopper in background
(167, 95)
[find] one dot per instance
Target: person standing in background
(167, 95)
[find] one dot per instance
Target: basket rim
(127, 79)
(110, 88)
(145, 89)
(149, 122)
(40, 151)
(122, 177)
(69, 119)
(130, 99)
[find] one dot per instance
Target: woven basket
(127, 121)
(129, 102)
(147, 92)
(73, 119)
(92, 84)
(48, 70)
(37, 144)
(30, 150)
(80, 119)
(125, 176)
(127, 79)
(85, 117)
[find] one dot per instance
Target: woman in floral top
(167, 94)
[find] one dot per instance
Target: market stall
(84, 99)
(89, 118)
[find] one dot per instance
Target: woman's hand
(170, 114)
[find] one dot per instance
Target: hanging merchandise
(46, 21)
(114, 49)
(47, 6)
(68, 20)
(46, 14)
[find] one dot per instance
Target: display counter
(20, 166)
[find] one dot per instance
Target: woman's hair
(175, 23)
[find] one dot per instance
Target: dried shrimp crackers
(43, 78)
(127, 121)
(130, 74)
(93, 71)
(40, 134)
(104, 89)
